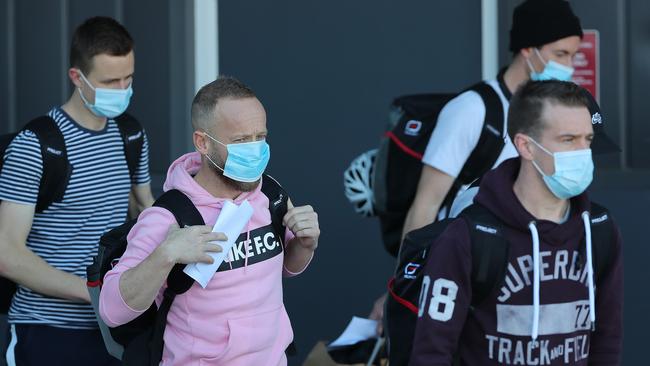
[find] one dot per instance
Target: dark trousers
(37, 345)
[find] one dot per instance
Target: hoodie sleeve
(606, 341)
(444, 298)
(145, 236)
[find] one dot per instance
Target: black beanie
(538, 22)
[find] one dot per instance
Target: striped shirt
(66, 235)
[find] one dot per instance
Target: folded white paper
(231, 221)
(359, 329)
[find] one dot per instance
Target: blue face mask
(109, 103)
(246, 162)
(574, 171)
(552, 70)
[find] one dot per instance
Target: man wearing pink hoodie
(239, 318)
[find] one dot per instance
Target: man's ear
(75, 77)
(526, 52)
(524, 146)
(200, 142)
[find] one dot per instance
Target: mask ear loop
(207, 156)
(539, 169)
(215, 140)
(530, 65)
(540, 56)
(85, 79)
(213, 163)
(81, 93)
(540, 146)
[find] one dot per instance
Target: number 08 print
(443, 295)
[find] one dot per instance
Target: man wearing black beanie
(545, 36)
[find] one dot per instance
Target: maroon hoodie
(499, 330)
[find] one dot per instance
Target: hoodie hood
(180, 175)
(497, 195)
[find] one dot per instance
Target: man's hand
(303, 223)
(191, 244)
(377, 313)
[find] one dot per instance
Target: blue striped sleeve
(142, 172)
(21, 173)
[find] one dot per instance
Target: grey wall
(638, 131)
(164, 74)
(6, 66)
(326, 72)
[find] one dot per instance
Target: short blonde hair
(209, 95)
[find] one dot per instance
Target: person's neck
(77, 110)
(516, 74)
(531, 191)
(213, 183)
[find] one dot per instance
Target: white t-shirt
(458, 130)
(456, 135)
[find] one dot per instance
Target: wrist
(308, 245)
(164, 257)
(83, 295)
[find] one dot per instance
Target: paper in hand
(231, 221)
(359, 329)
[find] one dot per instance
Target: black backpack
(490, 258)
(140, 341)
(397, 165)
(57, 169)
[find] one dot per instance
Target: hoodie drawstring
(590, 268)
(536, 274)
(535, 235)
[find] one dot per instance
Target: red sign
(587, 63)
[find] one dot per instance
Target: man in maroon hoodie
(539, 313)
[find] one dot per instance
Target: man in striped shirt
(46, 253)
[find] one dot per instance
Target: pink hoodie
(239, 318)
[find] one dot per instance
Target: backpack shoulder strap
(56, 167)
(491, 141)
(185, 213)
(602, 239)
(278, 199)
(178, 282)
(133, 139)
(181, 207)
(489, 251)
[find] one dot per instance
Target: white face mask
(574, 171)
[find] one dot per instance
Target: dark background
(326, 71)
